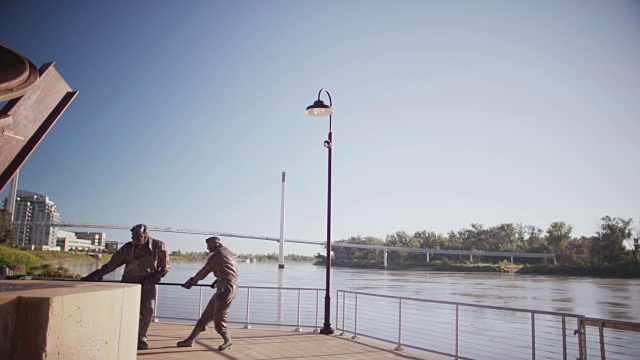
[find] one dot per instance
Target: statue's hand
(94, 276)
(213, 286)
(189, 283)
(153, 279)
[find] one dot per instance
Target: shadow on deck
(264, 344)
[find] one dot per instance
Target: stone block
(68, 320)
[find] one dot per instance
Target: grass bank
(503, 267)
(610, 271)
(41, 263)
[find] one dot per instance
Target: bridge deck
(264, 344)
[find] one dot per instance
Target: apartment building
(32, 209)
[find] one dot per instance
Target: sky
(446, 113)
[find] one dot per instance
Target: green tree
(529, 239)
(320, 259)
(454, 242)
(7, 232)
(352, 253)
(402, 239)
(579, 246)
(502, 238)
(558, 237)
(430, 240)
(607, 247)
(635, 247)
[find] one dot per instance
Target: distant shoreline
(609, 271)
(26, 259)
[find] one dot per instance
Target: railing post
(155, 308)
(344, 305)
(583, 335)
(457, 329)
(337, 307)
(246, 325)
(564, 338)
(355, 320)
(317, 330)
(200, 306)
(399, 347)
(601, 329)
(298, 329)
(533, 336)
(582, 345)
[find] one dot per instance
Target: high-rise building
(32, 209)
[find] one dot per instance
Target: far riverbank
(43, 263)
(624, 271)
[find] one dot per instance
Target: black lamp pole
(319, 108)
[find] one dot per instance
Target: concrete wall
(68, 320)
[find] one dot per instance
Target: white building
(67, 240)
(97, 238)
(32, 208)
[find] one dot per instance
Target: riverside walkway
(256, 344)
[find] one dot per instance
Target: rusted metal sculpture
(36, 99)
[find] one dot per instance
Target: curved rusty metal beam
(18, 75)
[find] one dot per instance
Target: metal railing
(253, 306)
(612, 339)
(449, 329)
(470, 331)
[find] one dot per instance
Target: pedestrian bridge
(385, 249)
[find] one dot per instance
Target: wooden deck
(264, 344)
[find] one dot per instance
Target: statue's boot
(188, 342)
(227, 341)
(142, 344)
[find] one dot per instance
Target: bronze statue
(221, 264)
(145, 262)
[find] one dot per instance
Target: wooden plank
(264, 344)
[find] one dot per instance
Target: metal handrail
(296, 307)
(607, 329)
(451, 329)
(461, 330)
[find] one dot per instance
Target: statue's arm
(116, 261)
(163, 261)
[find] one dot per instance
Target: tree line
(204, 255)
(613, 243)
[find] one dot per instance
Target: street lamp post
(319, 108)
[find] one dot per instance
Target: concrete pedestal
(68, 320)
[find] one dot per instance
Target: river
(592, 297)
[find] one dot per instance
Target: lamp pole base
(326, 330)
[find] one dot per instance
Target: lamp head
(319, 108)
(327, 144)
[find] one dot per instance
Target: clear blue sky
(447, 113)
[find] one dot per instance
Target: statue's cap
(140, 228)
(214, 239)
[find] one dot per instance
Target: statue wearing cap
(146, 262)
(221, 263)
